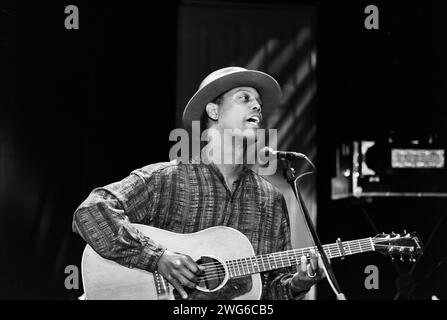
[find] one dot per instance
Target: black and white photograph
(223, 155)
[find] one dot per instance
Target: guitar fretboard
(277, 260)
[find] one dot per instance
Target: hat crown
(213, 76)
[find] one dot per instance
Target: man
(189, 197)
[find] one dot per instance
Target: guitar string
(220, 274)
(216, 274)
(330, 247)
(241, 267)
(279, 257)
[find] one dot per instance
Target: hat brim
(267, 87)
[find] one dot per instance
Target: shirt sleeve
(104, 220)
(277, 283)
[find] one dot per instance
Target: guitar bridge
(163, 287)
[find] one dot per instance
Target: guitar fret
(372, 244)
(353, 246)
(263, 263)
(349, 247)
(278, 259)
(346, 248)
(251, 265)
(332, 254)
(245, 266)
(268, 260)
(238, 268)
(259, 263)
(234, 268)
(242, 267)
(230, 267)
(328, 250)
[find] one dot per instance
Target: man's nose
(256, 107)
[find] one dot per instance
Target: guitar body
(105, 279)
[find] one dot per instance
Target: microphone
(289, 155)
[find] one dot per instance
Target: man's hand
(309, 273)
(180, 270)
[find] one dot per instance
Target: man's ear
(212, 110)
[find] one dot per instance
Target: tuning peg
(412, 259)
(392, 258)
(405, 231)
(401, 258)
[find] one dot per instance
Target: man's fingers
(185, 282)
(310, 273)
(179, 287)
(303, 263)
(192, 265)
(313, 262)
(189, 275)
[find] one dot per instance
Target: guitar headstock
(406, 244)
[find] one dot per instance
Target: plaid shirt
(185, 198)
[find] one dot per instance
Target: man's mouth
(255, 119)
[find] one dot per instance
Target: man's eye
(245, 97)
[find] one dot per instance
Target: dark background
(82, 108)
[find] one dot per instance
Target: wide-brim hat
(222, 80)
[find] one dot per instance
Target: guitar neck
(277, 260)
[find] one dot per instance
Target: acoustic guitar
(232, 270)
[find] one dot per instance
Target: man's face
(240, 109)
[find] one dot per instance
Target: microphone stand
(290, 176)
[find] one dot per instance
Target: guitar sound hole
(214, 274)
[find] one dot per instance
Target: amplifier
(384, 169)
